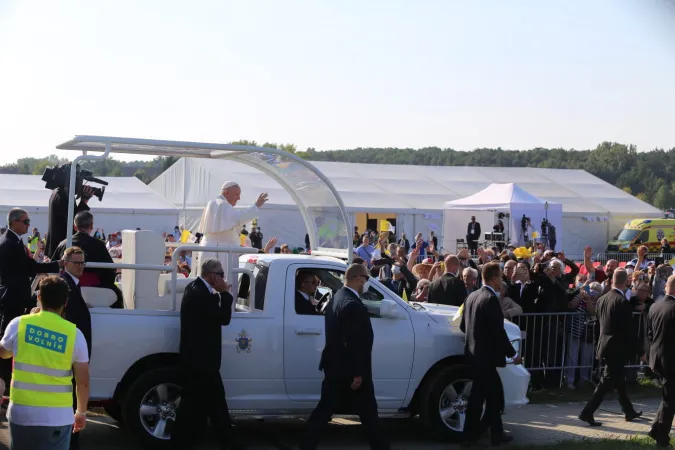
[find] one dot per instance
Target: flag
(186, 236)
(672, 262)
(458, 314)
(386, 226)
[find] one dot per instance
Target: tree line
(649, 175)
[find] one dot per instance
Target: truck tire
(434, 400)
(149, 409)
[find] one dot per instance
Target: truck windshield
(627, 235)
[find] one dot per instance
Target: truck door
(252, 365)
(304, 340)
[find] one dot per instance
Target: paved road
(531, 425)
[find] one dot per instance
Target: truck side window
(644, 237)
(333, 280)
(244, 301)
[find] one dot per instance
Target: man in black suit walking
(617, 338)
(486, 347)
(448, 289)
(661, 336)
(94, 251)
(17, 271)
(76, 310)
(305, 289)
(206, 307)
(473, 235)
(347, 362)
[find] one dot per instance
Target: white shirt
(74, 278)
(211, 290)
(354, 291)
(493, 291)
(34, 415)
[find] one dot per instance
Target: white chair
(164, 286)
(139, 287)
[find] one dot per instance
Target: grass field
(636, 443)
(644, 389)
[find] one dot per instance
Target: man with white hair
(221, 222)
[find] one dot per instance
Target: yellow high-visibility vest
(43, 364)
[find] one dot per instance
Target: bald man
(617, 336)
(346, 361)
(221, 222)
(448, 289)
(661, 336)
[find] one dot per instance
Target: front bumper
(515, 380)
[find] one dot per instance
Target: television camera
(524, 223)
(59, 177)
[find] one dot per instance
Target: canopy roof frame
(107, 145)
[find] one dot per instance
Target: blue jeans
(23, 437)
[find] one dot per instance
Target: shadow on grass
(634, 443)
(645, 388)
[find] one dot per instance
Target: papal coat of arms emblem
(243, 342)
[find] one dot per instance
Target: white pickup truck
(271, 355)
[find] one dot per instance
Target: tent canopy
(127, 203)
(405, 188)
(510, 200)
(496, 197)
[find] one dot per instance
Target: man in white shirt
(31, 423)
(221, 222)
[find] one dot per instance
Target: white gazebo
(508, 201)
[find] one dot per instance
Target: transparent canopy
(319, 203)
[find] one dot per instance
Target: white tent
(508, 199)
(128, 203)
(593, 210)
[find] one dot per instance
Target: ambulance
(639, 232)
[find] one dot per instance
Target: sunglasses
(25, 221)
(220, 274)
(77, 263)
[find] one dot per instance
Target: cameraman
(58, 215)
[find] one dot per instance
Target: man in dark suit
(58, 215)
(617, 336)
(661, 336)
(305, 289)
(347, 362)
(94, 251)
(448, 289)
(486, 347)
(473, 235)
(76, 310)
(17, 271)
(206, 307)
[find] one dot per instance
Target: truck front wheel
(149, 409)
(443, 400)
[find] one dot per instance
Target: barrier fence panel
(559, 347)
(602, 258)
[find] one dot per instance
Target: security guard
(47, 349)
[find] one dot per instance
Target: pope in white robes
(221, 222)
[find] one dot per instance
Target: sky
(342, 74)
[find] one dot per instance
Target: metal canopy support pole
(71, 189)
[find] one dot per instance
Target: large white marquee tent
(128, 203)
(593, 210)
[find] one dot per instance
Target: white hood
(444, 314)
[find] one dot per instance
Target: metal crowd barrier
(602, 258)
(562, 346)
